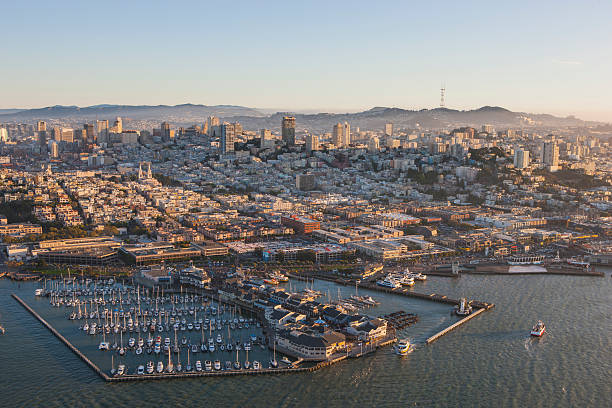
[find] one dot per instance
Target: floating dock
(400, 319)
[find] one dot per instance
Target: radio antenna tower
(442, 91)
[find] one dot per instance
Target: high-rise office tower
(288, 130)
(57, 134)
(550, 154)
(53, 148)
(347, 134)
(67, 135)
(388, 129)
(337, 135)
(165, 131)
(312, 143)
(521, 158)
(228, 137)
(41, 126)
(89, 135)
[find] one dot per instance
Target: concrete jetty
(63, 339)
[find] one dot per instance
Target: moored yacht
(388, 283)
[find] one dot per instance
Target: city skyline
(548, 58)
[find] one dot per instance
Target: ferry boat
(388, 283)
(403, 347)
(279, 277)
(539, 329)
(526, 260)
(464, 308)
(578, 262)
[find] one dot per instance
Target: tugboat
(539, 329)
(464, 308)
(403, 347)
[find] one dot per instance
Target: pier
(454, 326)
(63, 339)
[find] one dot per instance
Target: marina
(171, 333)
(50, 364)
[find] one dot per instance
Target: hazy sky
(535, 56)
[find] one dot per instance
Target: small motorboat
(539, 329)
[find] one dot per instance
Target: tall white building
(347, 134)
(521, 158)
(312, 143)
(550, 155)
(337, 135)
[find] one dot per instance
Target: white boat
(103, 345)
(198, 365)
(388, 283)
(150, 367)
(539, 329)
(256, 365)
(217, 365)
(121, 369)
(578, 262)
(160, 367)
(403, 347)
(526, 260)
(140, 370)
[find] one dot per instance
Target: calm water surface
(491, 361)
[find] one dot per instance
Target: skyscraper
(89, 135)
(228, 137)
(312, 143)
(41, 126)
(67, 135)
(288, 130)
(165, 131)
(337, 135)
(388, 129)
(521, 158)
(550, 154)
(347, 134)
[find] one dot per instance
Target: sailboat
(273, 362)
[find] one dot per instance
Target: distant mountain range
(375, 118)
